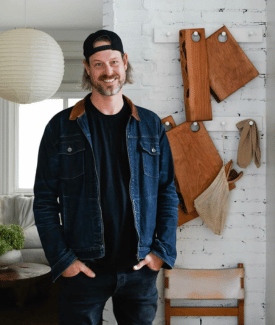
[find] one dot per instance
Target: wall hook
(195, 127)
(167, 126)
(196, 36)
(222, 37)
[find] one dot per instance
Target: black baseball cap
(88, 46)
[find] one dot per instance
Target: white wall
(270, 214)
(158, 86)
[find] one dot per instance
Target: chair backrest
(201, 284)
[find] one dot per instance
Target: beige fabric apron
(249, 146)
(212, 204)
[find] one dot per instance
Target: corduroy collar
(79, 108)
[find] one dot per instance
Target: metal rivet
(153, 150)
(69, 149)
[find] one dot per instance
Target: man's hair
(86, 81)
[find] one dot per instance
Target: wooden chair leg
(167, 312)
(241, 312)
(241, 302)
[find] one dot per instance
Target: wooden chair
(219, 284)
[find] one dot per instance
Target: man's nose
(108, 70)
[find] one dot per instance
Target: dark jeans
(134, 295)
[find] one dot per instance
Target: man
(105, 202)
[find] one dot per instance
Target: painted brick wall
(159, 87)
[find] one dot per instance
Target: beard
(108, 90)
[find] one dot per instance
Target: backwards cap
(88, 46)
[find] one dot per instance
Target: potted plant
(11, 241)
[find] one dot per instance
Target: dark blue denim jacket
(67, 202)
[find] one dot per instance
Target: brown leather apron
(197, 163)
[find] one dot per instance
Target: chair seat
(218, 284)
(204, 284)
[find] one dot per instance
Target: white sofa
(18, 209)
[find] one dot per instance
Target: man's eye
(98, 64)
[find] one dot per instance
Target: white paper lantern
(31, 65)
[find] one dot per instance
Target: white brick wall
(158, 86)
(108, 14)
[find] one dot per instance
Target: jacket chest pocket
(150, 158)
(71, 159)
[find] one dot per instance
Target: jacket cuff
(159, 250)
(63, 264)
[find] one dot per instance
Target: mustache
(104, 76)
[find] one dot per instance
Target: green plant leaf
(11, 237)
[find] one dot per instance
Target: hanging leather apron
(229, 67)
(197, 163)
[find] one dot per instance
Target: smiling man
(105, 202)
(108, 67)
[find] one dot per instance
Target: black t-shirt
(108, 134)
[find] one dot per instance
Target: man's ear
(125, 60)
(87, 67)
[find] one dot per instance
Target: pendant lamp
(31, 65)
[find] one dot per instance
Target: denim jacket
(67, 206)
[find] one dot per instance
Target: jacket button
(153, 150)
(69, 149)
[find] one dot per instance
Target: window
(31, 120)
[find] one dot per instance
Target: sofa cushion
(24, 211)
(17, 209)
(32, 239)
(7, 209)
